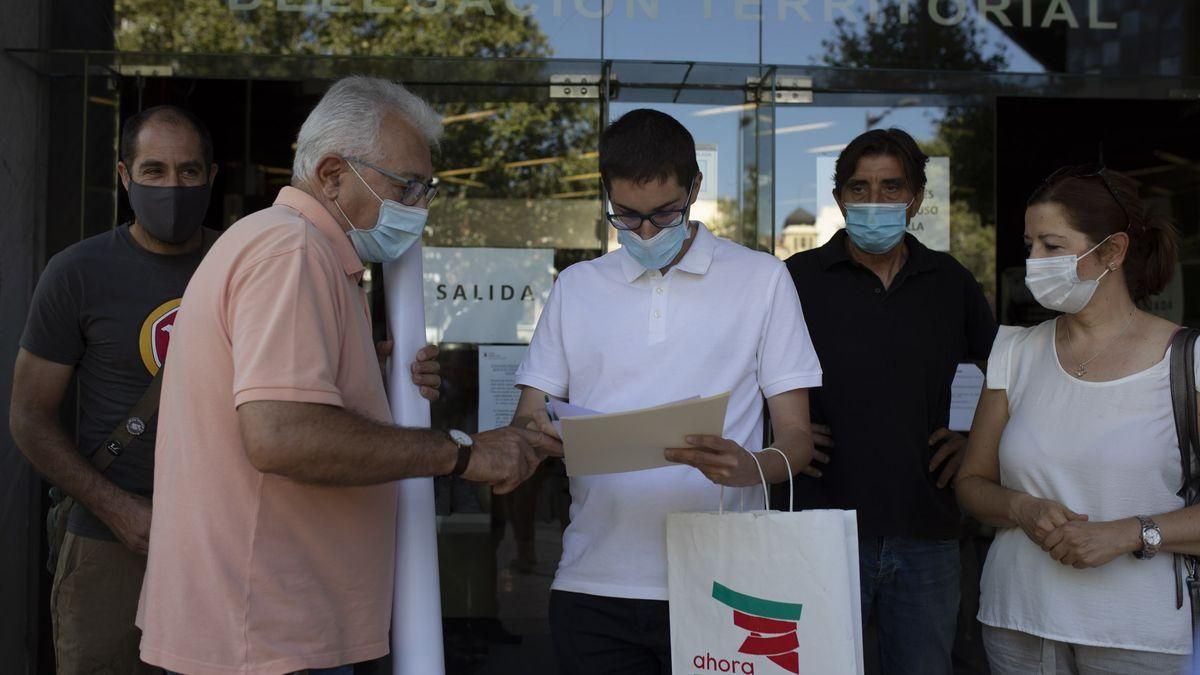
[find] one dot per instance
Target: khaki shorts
(93, 604)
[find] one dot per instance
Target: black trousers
(595, 635)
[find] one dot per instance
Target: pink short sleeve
(285, 321)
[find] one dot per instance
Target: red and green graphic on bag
(771, 624)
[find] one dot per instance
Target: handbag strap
(1183, 401)
(1183, 404)
(131, 427)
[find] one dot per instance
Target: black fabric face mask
(169, 214)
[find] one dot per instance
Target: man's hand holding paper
(721, 460)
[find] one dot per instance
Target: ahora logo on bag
(772, 633)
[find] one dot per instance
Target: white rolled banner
(416, 600)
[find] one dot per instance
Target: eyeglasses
(661, 219)
(412, 190)
(1089, 171)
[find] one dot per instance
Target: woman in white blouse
(1073, 455)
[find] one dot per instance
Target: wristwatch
(1151, 538)
(464, 443)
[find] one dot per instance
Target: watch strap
(1148, 551)
(464, 460)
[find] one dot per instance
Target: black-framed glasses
(661, 219)
(412, 191)
(1089, 171)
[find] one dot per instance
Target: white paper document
(498, 393)
(561, 409)
(964, 396)
(635, 440)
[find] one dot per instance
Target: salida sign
(485, 295)
(771, 626)
(482, 292)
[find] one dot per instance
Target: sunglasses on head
(1089, 171)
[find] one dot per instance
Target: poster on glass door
(931, 225)
(498, 393)
(485, 295)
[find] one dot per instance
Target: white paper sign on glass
(706, 159)
(931, 225)
(485, 295)
(964, 396)
(498, 393)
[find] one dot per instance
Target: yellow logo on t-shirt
(156, 334)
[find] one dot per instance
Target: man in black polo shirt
(891, 320)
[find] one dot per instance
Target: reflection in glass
(484, 28)
(518, 174)
(682, 30)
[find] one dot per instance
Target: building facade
(999, 93)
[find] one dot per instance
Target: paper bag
(764, 593)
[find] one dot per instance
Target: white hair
(347, 121)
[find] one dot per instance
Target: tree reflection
(533, 154)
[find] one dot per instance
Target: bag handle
(791, 478)
(763, 478)
(1183, 403)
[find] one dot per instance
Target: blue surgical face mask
(876, 228)
(658, 251)
(396, 229)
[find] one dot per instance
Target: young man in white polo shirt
(674, 313)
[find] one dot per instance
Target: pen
(550, 410)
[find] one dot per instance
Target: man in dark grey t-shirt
(103, 311)
(106, 306)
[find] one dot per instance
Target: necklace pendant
(1081, 370)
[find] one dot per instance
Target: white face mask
(1055, 282)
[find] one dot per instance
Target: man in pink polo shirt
(273, 534)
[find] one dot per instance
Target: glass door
(521, 207)
(520, 202)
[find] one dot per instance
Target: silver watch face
(1152, 536)
(461, 438)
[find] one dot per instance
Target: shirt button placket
(658, 308)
